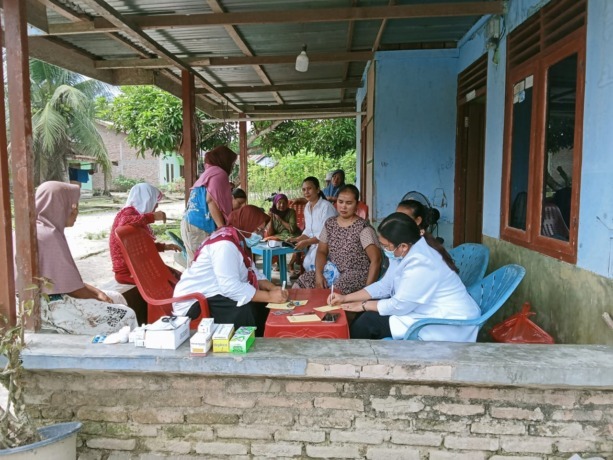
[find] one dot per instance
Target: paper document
(326, 308)
(304, 319)
(287, 306)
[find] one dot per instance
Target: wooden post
(22, 159)
(7, 274)
(189, 148)
(242, 139)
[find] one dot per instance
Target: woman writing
(282, 219)
(70, 306)
(210, 200)
(421, 283)
(139, 211)
(350, 243)
(316, 212)
(224, 273)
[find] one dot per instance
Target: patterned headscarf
(278, 197)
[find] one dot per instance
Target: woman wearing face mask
(224, 273)
(316, 212)
(139, 211)
(421, 283)
(70, 306)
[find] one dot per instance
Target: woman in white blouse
(316, 212)
(224, 273)
(421, 283)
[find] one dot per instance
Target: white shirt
(314, 220)
(219, 270)
(421, 285)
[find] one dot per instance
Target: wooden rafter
(291, 87)
(127, 26)
(424, 10)
(348, 47)
(232, 61)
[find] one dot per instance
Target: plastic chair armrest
(204, 305)
(413, 332)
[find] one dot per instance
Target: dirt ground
(89, 242)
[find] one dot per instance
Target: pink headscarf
(54, 203)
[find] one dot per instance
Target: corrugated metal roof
(269, 39)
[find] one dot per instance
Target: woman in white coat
(422, 283)
(316, 212)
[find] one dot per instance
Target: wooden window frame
(538, 66)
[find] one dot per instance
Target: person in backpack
(210, 200)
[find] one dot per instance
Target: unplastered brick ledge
(488, 364)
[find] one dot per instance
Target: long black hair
(315, 182)
(399, 228)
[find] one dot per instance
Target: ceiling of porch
(243, 52)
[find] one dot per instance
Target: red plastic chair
(362, 210)
(153, 279)
(298, 205)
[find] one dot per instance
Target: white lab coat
(219, 270)
(314, 220)
(421, 285)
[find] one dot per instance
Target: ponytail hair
(399, 228)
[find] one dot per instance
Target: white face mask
(252, 240)
(391, 254)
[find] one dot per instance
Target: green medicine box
(242, 340)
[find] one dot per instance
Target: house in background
(126, 162)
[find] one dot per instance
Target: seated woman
(210, 200)
(139, 211)
(70, 306)
(422, 284)
(224, 273)
(338, 180)
(350, 243)
(282, 219)
(239, 198)
(316, 212)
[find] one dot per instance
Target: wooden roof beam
(291, 87)
(287, 16)
(128, 27)
(233, 61)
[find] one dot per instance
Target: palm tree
(63, 124)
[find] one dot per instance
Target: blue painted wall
(415, 120)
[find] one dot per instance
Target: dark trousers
(225, 311)
(370, 325)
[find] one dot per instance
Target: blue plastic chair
(471, 259)
(490, 294)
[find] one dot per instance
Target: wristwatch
(364, 305)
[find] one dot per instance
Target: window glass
(559, 148)
(520, 152)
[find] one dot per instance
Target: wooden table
(268, 253)
(279, 326)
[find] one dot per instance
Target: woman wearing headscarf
(69, 305)
(282, 219)
(225, 274)
(210, 200)
(139, 211)
(337, 181)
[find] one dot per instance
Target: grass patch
(101, 235)
(159, 230)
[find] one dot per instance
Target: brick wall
(153, 416)
(129, 164)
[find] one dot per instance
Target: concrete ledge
(557, 366)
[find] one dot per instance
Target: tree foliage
(331, 138)
(153, 120)
(63, 124)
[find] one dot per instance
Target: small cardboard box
(206, 326)
(167, 335)
(221, 338)
(242, 340)
(200, 343)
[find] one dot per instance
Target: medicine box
(242, 340)
(200, 343)
(167, 335)
(221, 338)
(206, 326)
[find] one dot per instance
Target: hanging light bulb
(302, 61)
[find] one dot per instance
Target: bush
(124, 184)
(176, 186)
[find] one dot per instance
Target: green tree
(63, 120)
(331, 138)
(153, 120)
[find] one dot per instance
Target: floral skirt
(70, 315)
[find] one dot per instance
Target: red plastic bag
(519, 329)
